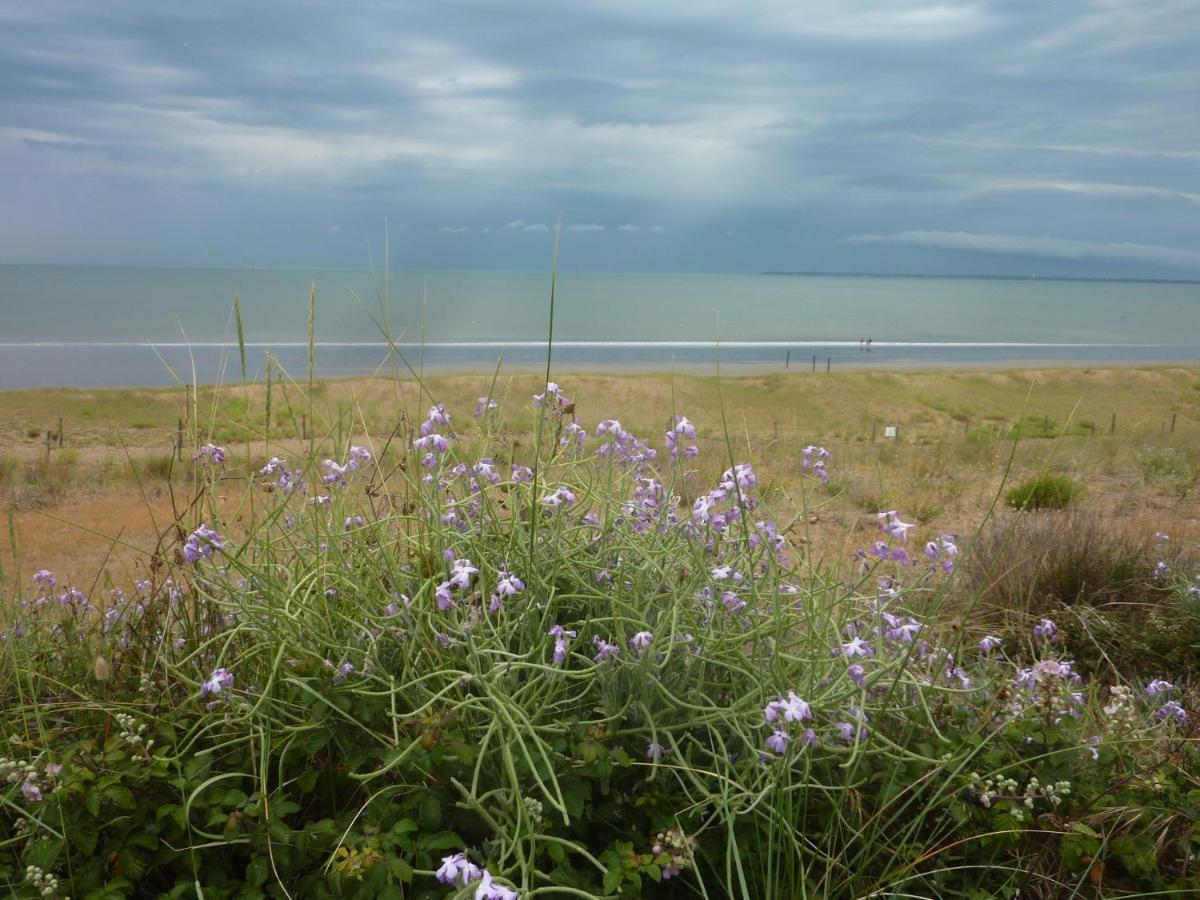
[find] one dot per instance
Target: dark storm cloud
(855, 136)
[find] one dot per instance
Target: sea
(92, 327)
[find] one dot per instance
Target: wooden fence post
(1112, 428)
(60, 431)
(179, 441)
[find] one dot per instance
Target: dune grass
(389, 665)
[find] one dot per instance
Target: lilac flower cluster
(201, 543)
(942, 550)
(210, 454)
(506, 586)
(459, 580)
(560, 497)
(623, 446)
(1170, 710)
(681, 431)
(813, 459)
(288, 482)
(218, 682)
(458, 870)
(561, 644)
(791, 710)
(554, 400)
(736, 488)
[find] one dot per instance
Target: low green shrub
(1044, 492)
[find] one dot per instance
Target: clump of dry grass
(1095, 576)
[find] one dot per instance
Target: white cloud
(1031, 245)
(585, 228)
(456, 229)
(629, 228)
(657, 229)
(1090, 188)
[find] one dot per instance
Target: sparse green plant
(1049, 491)
(1168, 468)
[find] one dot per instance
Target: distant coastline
(1083, 278)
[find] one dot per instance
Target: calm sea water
(125, 326)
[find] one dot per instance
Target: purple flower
(489, 890)
(906, 631)
(220, 680)
(732, 601)
(1158, 686)
(1161, 537)
(793, 709)
(573, 431)
(989, 643)
(506, 586)
(437, 418)
(892, 525)
(461, 572)
(1171, 710)
(641, 640)
(210, 453)
(1161, 570)
(813, 458)
(201, 543)
(726, 573)
(32, 792)
(431, 443)
(44, 577)
(485, 404)
(655, 752)
(682, 430)
(857, 674)
(778, 741)
(561, 496)
(1045, 629)
(742, 475)
(560, 636)
(604, 650)
(856, 647)
(359, 456)
(522, 474)
(458, 868)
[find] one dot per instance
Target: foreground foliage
(493, 676)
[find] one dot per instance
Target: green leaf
(429, 813)
(117, 889)
(120, 796)
(400, 870)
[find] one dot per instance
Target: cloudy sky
(998, 136)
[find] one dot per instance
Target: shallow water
(96, 326)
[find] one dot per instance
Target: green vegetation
(592, 672)
(1044, 492)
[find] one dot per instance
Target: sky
(1001, 136)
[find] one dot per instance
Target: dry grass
(946, 469)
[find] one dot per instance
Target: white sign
(889, 431)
